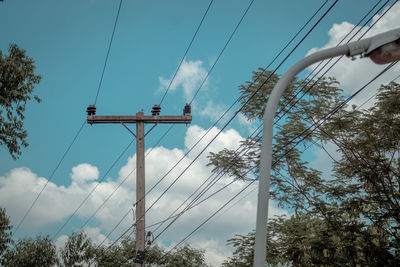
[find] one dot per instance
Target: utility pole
(140, 119)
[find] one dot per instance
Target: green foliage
(306, 240)
(348, 217)
(77, 251)
(291, 175)
(123, 254)
(184, 257)
(28, 252)
(5, 232)
(244, 252)
(17, 81)
(118, 255)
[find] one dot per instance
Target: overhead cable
(187, 50)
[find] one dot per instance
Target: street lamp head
(384, 48)
(387, 53)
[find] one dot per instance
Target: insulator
(91, 110)
(187, 110)
(155, 111)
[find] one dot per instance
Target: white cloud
(60, 242)
(19, 187)
(84, 172)
(189, 78)
(212, 111)
(352, 75)
(96, 236)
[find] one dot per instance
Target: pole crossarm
(143, 118)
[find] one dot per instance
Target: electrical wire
(230, 120)
(218, 176)
(223, 213)
(308, 79)
(269, 77)
(222, 51)
(187, 50)
(258, 89)
(361, 89)
(108, 52)
(123, 181)
(270, 63)
(74, 139)
(209, 218)
(330, 114)
(76, 135)
(317, 124)
(364, 87)
(50, 177)
(94, 188)
(180, 64)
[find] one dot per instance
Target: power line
(234, 204)
(170, 84)
(108, 52)
(374, 95)
(115, 227)
(337, 60)
(51, 176)
(187, 50)
(94, 188)
(226, 124)
(259, 127)
(333, 112)
(219, 175)
(246, 101)
(222, 51)
(76, 135)
(223, 206)
(215, 62)
(319, 122)
(123, 181)
(347, 35)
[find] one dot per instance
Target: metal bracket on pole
(150, 129)
(128, 128)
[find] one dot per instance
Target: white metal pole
(266, 147)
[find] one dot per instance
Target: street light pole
(382, 49)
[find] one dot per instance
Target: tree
(28, 252)
(5, 232)
(117, 255)
(184, 257)
(307, 240)
(17, 81)
(357, 204)
(77, 251)
(123, 254)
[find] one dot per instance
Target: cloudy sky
(69, 42)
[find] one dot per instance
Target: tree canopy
(349, 216)
(5, 232)
(17, 82)
(79, 250)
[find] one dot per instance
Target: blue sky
(69, 40)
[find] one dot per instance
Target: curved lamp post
(381, 49)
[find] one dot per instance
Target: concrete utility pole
(140, 119)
